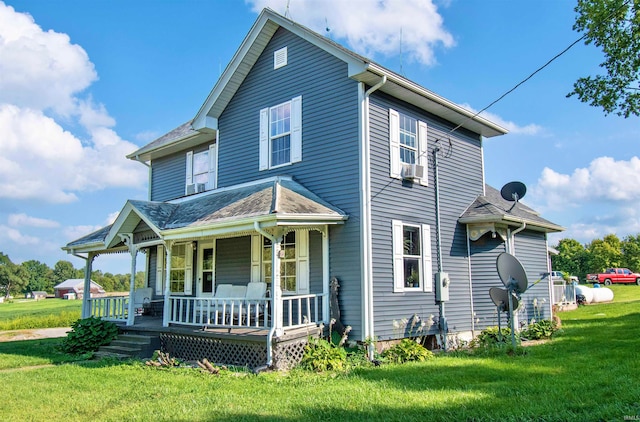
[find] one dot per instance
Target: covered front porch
(211, 261)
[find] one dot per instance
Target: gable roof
(76, 283)
(275, 201)
(492, 208)
(359, 68)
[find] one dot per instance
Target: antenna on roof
(401, 72)
(286, 12)
(326, 27)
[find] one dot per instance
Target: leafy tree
(614, 27)
(571, 258)
(604, 253)
(631, 252)
(40, 276)
(63, 270)
(14, 278)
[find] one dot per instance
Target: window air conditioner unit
(412, 171)
(194, 188)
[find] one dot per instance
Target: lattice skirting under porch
(227, 351)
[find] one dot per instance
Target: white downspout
(138, 159)
(512, 237)
(365, 212)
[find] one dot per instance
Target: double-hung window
(181, 271)
(281, 134)
(411, 257)
(294, 262)
(407, 145)
(201, 170)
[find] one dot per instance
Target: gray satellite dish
(511, 272)
(514, 278)
(513, 191)
(501, 296)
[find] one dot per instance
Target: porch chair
(256, 292)
(139, 296)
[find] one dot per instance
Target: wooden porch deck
(240, 346)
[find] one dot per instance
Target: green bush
(88, 334)
(490, 337)
(406, 351)
(321, 355)
(541, 329)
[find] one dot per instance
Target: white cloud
(72, 233)
(605, 180)
(15, 236)
(372, 27)
(112, 217)
(512, 127)
(41, 77)
(622, 221)
(23, 220)
(40, 69)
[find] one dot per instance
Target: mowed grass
(47, 313)
(589, 372)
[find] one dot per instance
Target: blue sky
(83, 83)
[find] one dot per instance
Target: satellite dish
(511, 272)
(513, 191)
(501, 296)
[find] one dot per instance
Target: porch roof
(492, 208)
(274, 201)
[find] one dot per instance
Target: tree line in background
(594, 257)
(34, 276)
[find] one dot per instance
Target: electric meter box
(442, 286)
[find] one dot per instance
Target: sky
(84, 83)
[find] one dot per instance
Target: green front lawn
(588, 372)
(46, 313)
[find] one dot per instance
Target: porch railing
(111, 308)
(564, 293)
(298, 311)
(303, 310)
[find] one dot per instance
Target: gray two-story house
(309, 163)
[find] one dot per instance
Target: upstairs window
(407, 145)
(281, 134)
(201, 170)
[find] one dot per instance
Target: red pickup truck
(614, 275)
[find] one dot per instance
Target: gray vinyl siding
(484, 276)
(233, 260)
(330, 150)
(153, 259)
(460, 180)
(168, 174)
(168, 177)
(531, 250)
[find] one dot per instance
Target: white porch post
(128, 240)
(325, 275)
(277, 290)
(167, 284)
(86, 306)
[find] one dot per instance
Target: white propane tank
(585, 291)
(603, 294)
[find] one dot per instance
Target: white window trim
(188, 269)
(201, 247)
(302, 261)
(213, 166)
(295, 135)
(426, 273)
(394, 147)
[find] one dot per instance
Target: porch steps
(127, 346)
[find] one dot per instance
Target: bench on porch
(233, 305)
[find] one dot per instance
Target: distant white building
(75, 286)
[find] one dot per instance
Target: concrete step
(130, 346)
(120, 349)
(100, 354)
(134, 338)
